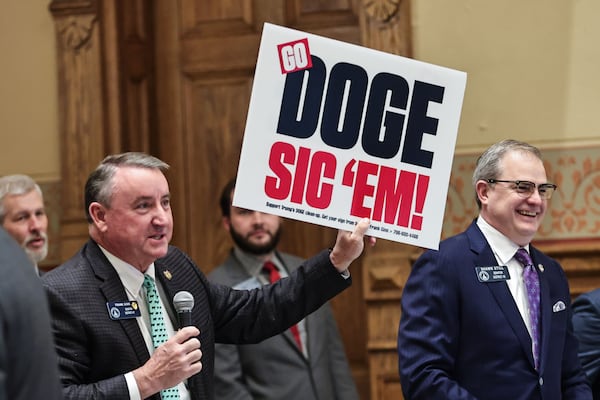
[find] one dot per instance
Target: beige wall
(531, 66)
(28, 93)
(531, 73)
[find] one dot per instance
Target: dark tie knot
(523, 257)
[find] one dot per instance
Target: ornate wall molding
(75, 32)
(574, 210)
(381, 10)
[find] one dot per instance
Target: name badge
(123, 310)
(495, 273)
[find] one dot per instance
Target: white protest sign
(336, 132)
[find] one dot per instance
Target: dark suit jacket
(95, 352)
(28, 364)
(460, 338)
(586, 324)
(275, 368)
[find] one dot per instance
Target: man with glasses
(488, 316)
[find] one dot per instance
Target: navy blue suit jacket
(95, 351)
(460, 338)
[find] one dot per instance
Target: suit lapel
(500, 291)
(113, 290)
(507, 304)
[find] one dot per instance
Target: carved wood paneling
(385, 25)
(81, 111)
(135, 57)
(213, 142)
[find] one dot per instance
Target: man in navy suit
(469, 328)
(101, 321)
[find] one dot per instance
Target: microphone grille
(183, 301)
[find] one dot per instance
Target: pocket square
(558, 306)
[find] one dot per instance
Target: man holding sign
(488, 316)
(112, 303)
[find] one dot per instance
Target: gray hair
(488, 164)
(15, 185)
(99, 185)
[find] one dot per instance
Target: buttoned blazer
(95, 351)
(275, 368)
(461, 338)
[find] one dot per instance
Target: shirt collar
(503, 247)
(252, 264)
(131, 277)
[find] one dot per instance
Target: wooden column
(385, 25)
(105, 104)
(81, 110)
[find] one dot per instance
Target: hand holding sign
(349, 245)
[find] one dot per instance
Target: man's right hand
(349, 245)
(171, 363)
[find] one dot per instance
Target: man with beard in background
(307, 361)
(23, 215)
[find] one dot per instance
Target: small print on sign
(294, 56)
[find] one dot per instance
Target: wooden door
(173, 78)
(205, 56)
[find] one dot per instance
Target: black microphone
(184, 302)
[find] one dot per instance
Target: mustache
(36, 236)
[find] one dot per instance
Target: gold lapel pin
(167, 274)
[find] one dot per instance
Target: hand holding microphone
(183, 302)
(179, 357)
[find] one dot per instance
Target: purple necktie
(532, 284)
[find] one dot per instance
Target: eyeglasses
(525, 188)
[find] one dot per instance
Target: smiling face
(25, 220)
(138, 225)
(517, 217)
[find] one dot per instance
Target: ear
(482, 189)
(98, 214)
(226, 223)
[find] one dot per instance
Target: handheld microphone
(183, 302)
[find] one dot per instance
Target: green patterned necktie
(158, 328)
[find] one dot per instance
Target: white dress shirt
(133, 279)
(504, 249)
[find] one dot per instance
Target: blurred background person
(28, 364)
(307, 361)
(586, 325)
(23, 215)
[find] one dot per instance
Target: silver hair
(99, 185)
(15, 185)
(488, 164)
